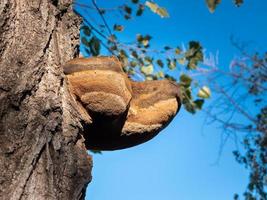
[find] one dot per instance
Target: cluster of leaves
(258, 75)
(262, 124)
(141, 62)
(139, 8)
(248, 86)
(212, 4)
(255, 159)
(128, 11)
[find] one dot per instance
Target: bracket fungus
(122, 113)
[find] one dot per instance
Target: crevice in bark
(27, 92)
(55, 3)
(4, 25)
(62, 11)
(4, 89)
(47, 45)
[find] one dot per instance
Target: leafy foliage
(141, 61)
(248, 76)
(255, 159)
(212, 4)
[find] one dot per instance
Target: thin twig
(102, 16)
(93, 8)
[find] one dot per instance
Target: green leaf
(94, 45)
(199, 103)
(112, 38)
(178, 51)
(139, 38)
(194, 54)
(160, 63)
(171, 64)
(86, 30)
(167, 48)
(185, 80)
(113, 48)
(190, 107)
(134, 54)
(160, 74)
(238, 2)
(145, 42)
(102, 11)
(148, 59)
(204, 92)
(123, 53)
(123, 56)
(194, 45)
(149, 78)
(212, 4)
(192, 64)
(127, 16)
(140, 10)
(127, 9)
(133, 63)
(131, 71)
(141, 62)
(162, 12)
(169, 77)
(84, 41)
(147, 70)
(181, 61)
(153, 6)
(117, 27)
(188, 93)
(135, 1)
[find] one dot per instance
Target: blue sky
(180, 163)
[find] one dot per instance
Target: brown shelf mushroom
(124, 113)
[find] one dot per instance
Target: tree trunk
(42, 153)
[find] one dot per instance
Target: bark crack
(47, 45)
(4, 89)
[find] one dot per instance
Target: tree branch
(102, 16)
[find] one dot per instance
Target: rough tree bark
(42, 153)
